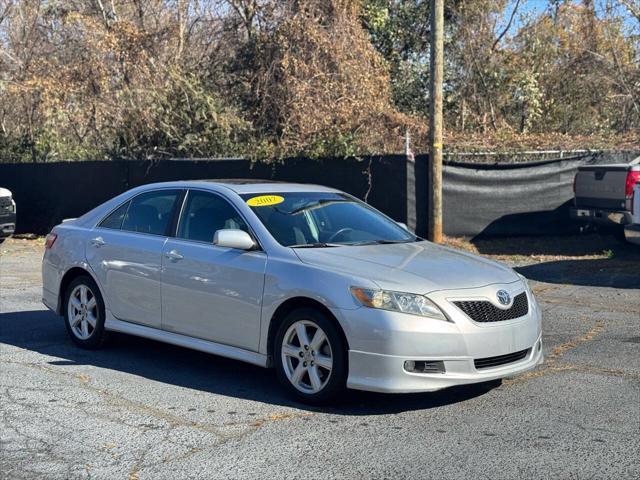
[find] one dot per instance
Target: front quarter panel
(288, 278)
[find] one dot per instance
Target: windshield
(323, 219)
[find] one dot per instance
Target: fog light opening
(424, 366)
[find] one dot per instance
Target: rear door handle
(173, 255)
(97, 242)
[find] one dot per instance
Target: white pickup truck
(604, 194)
(7, 214)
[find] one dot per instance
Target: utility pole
(435, 120)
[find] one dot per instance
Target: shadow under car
(43, 332)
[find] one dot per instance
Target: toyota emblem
(503, 297)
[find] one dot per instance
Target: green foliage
(186, 119)
(528, 98)
(270, 79)
(566, 70)
(340, 145)
(399, 31)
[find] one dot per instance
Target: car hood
(417, 267)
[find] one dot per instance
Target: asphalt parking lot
(140, 409)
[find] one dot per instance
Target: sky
(536, 7)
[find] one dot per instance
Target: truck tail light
(50, 240)
(632, 179)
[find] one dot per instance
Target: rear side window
(114, 220)
(204, 214)
(151, 212)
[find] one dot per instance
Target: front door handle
(97, 242)
(173, 255)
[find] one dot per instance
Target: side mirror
(403, 225)
(232, 238)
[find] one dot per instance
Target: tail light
(632, 179)
(50, 240)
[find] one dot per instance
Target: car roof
(244, 186)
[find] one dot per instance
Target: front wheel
(84, 313)
(310, 357)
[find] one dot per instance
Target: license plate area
(584, 213)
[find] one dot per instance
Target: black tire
(98, 335)
(2, 240)
(336, 383)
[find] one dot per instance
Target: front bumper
(7, 229)
(7, 224)
(386, 373)
(380, 342)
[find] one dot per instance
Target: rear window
(114, 220)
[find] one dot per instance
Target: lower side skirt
(184, 341)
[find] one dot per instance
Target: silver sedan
(305, 279)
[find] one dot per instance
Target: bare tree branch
(506, 29)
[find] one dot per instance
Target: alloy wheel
(82, 312)
(306, 356)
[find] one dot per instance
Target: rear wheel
(310, 357)
(84, 313)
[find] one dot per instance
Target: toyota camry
(305, 279)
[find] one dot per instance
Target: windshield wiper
(316, 245)
(383, 242)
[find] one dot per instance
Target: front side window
(114, 219)
(204, 214)
(317, 218)
(151, 212)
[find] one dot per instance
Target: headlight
(524, 280)
(527, 287)
(398, 302)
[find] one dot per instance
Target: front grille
(489, 362)
(5, 204)
(485, 311)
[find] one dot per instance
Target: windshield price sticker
(265, 200)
